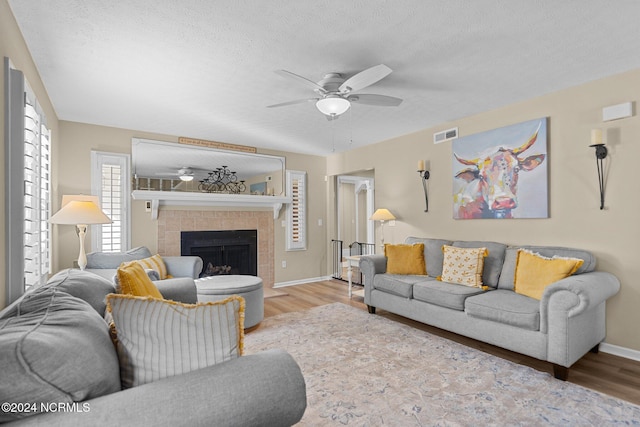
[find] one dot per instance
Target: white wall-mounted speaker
(619, 111)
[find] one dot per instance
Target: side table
(351, 261)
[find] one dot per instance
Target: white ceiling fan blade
(365, 78)
(379, 100)
(297, 101)
(289, 75)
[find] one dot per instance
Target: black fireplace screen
(223, 252)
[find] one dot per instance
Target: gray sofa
(58, 367)
(565, 324)
(184, 270)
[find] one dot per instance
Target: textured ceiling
(205, 69)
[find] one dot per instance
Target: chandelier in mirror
(222, 180)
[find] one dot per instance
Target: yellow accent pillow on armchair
(405, 259)
(135, 281)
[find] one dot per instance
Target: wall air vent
(445, 135)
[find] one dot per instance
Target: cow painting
(488, 186)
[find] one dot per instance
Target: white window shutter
(296, 231)
(110, 181)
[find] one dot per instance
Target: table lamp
(80, 210)
(382, 215)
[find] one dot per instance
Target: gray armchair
(184, 270)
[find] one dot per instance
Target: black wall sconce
(601, 154)
(424, 176)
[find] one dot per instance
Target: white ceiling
(205, 68)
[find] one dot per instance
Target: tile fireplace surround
(172, 222)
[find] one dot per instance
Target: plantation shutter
(296, 232)
(37, 194)
(110, 182)
(27, 187)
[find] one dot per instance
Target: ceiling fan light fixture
(186, 178)
(333, 105)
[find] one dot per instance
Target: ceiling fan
(185, 173)
(335, 93)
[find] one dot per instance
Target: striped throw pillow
(155, 263)
(158, 338)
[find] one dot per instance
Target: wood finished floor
(609, 374)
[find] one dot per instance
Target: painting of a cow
(490, 186)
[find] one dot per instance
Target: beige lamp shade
(80, 210)
(382, 215)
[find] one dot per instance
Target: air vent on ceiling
(445, 135)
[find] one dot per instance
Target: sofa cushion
(134, 280)
(114, 259)
(506, 307)
(87, 286)
(159, 338)
(433, 255)
(56, 350)
(444, 294)
(463, 266)
(535, 272)
(396, 284)
(405, 259)
(492, 263)
(507, 276)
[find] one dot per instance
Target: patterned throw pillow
(155, 263)
(133, 280)
(535, 272)
(158, 338)
(463, 266)
(405, 259)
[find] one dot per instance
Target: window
(110, 182)
(296, 211)
(28, 187)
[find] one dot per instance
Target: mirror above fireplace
(169, 173)
(170, 166)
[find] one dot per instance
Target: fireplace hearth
(223, 251)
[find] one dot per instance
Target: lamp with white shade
(80, 210)
(382, 215)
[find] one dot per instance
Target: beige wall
(613, 234)
(13, 47)
(77, 142)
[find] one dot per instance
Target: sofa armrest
(262, 389)
(183, 266)
(578, 293)
(370, 265)
(182, 289)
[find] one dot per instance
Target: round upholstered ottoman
(216, 288)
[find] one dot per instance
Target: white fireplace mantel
(182, 198)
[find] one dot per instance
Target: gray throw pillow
(56, 350)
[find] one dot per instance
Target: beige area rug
(366, 370)
(272, 293)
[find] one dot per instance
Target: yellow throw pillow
(535, 272)
(463, 266)
(158, 338)
(155, 263)
(405, 259)
(134, 280)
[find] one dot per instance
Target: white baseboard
(301, 281)
(616, 350)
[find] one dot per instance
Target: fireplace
(223, 252)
